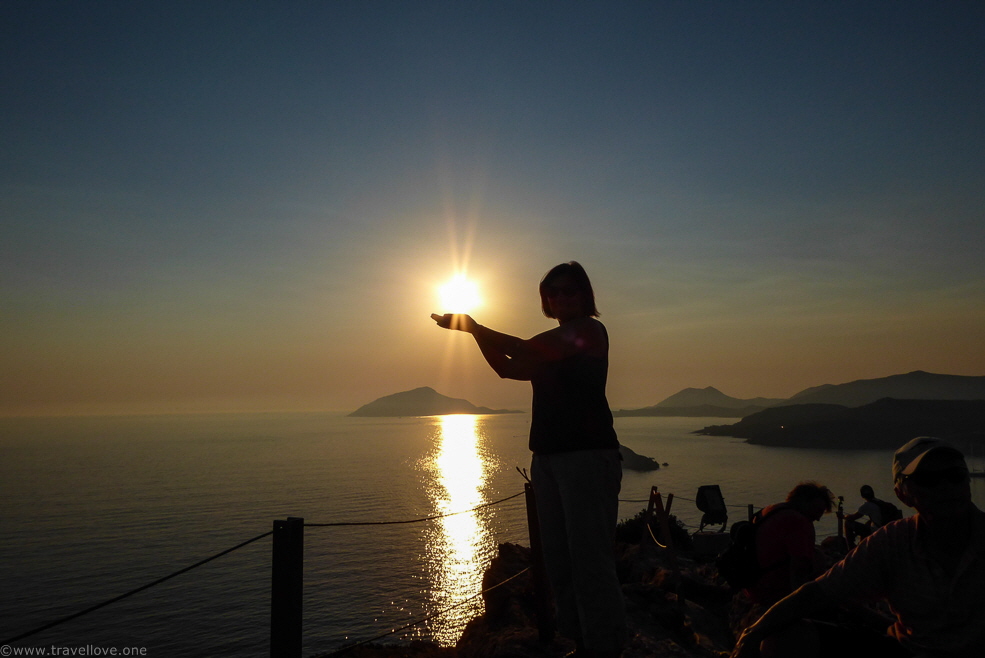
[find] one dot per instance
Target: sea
(94, 507)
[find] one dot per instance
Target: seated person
(785, 542)
(870, 508)
(929, 568)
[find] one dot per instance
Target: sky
(250, 206)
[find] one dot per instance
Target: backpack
(889, 511)
(739, 564)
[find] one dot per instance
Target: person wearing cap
(930, 568)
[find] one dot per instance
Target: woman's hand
(456, 321)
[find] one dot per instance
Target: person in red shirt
(929, 568)
(785, 543)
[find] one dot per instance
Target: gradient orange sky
(214, 207)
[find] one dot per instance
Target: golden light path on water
(462, 545)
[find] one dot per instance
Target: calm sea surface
(94, 507)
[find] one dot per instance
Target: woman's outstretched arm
(505, 354)
(515, 358)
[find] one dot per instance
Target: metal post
(542, 594)
(841, 517)
(286, 588)
(847, 541)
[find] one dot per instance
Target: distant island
(423, 401)
(883, 424)
(709, 402)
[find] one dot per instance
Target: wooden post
(542, 593)
(847, 542)
(286, 588)
(751, 513)
(655, 508)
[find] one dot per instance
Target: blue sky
(219, 205)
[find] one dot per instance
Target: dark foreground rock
(676, 605)
(675, 608)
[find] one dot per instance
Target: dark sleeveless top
(570, 411)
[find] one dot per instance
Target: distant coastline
(878, 413)
(698, 411)
(709, 402)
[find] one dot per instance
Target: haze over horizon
(250, 207)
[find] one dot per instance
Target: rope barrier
(134, 591)
(423, 619)
(93, 608)
(692, 500)
(676, 497)
(426, 518)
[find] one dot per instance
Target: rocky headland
(884, 424)
(634, 461)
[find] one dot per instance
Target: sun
(459, 295)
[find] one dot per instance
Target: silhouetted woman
(576, 469)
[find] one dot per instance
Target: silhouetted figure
(576, 471)
(929, 567)
(870, 509)
(786, 543)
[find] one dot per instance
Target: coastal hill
(917, 385)
(706, 402)
(423, 401)
(693, 397)
(883, 424)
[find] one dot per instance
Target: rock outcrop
(676, 605)
(674, 608)
(634, 461)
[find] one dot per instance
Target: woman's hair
(577, 274)
(808, 491)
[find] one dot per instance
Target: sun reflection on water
(461, 545)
